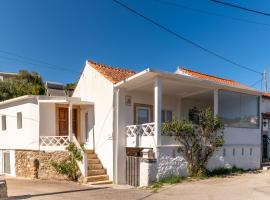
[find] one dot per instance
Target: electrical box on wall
(265, 125)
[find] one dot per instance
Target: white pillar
(179, 103)
(157, 110)
(70, 134)
(216, 102)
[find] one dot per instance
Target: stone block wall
(37, 164)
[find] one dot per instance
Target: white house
(119, 115)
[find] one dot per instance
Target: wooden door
(75, 122)
(63, 121)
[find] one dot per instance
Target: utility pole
(265, 80)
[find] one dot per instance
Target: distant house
(117, 114)
(7, 75)
(55, 89)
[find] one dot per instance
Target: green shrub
(69, 166)
(167, 180)
(224, 171)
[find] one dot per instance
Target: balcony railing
(141, 135)
(53, 142)
(140, 130)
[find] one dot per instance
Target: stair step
(91, 155)
(100, 182)
(266, 164)
(97, 178)
(93, 161)
(89, 151)
(95, 166)
(96, 172)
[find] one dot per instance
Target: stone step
(266, 168)
(96, 178)
(91, 155)
(100, 183)
(96, 172)
(95, 166)
(93, 161)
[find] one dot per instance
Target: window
(4, 122)
(143, 115)
(19, 120)
(239, 110)
(166, 116)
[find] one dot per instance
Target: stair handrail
(83, 165)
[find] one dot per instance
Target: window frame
(3, 125)
(240, 93)
(137, 106)
(165, 111)
(19, 120)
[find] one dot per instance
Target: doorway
(63, 127)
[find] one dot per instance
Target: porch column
(178, 107)
(157, 110)
(70, 129)
(216, 102)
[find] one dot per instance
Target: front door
(63, 121)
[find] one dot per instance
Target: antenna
(265, 80)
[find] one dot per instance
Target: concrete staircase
(96, 173)
(266, 165)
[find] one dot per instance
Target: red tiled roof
(113, 74)
(210, 77)
(266, 94)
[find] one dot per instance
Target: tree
(69, 166)
(24, 84)
(197, 142)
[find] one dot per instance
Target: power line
(185, 39)
(210, 13)
(34, 62)
(37, 64)
(257, 82)
(242, 8)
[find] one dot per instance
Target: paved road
(242, 187)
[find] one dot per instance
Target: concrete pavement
(248, 186)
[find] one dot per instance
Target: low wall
(37, 164)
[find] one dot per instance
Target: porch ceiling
(169, 87)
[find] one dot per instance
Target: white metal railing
(147, 129)
(54, 141)
(83, 165)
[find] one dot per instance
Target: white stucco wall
(28, 136)
(47, 119)
(93, 87)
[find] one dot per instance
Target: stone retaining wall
(37, 164)
(3, 190)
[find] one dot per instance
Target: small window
(233, 151)
(250, 151)
(166, 116)
(224, 152)
(243, 151)
(19, 120)
(4, 122)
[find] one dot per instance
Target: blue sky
(67, 32)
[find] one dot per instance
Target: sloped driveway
(251, 186)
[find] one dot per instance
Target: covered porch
(63, 120)
(158, 100)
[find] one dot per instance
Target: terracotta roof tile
(266, 94)
(216, 79)
(113, 74)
